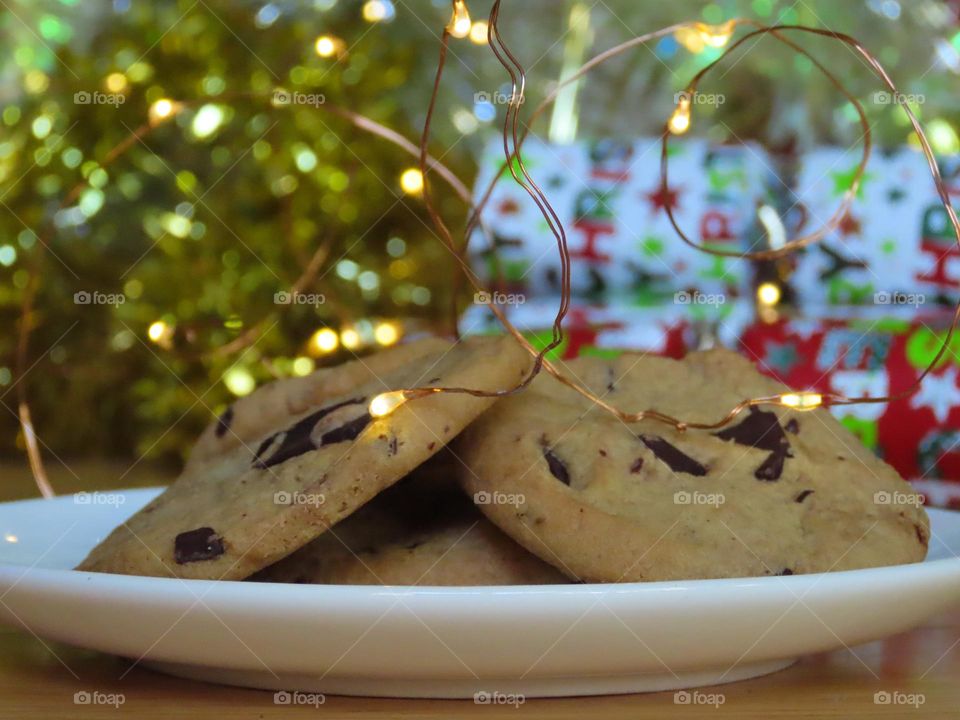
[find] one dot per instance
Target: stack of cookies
(297, 482)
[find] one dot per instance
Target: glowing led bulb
(478, 32)
(802, 400)
(386, 333)
(162, 109)
(680, 120)
(716, 35)
(327, 46)
(324, 340)
(459, 25)
(157, 330)
(411, 181)
(385, 403)
(350, 339)
(768, 294)
(116, 82)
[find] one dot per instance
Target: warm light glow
(161, 110)
(680, 120)
(350, 339)
(328, 46)
(459, 25)
(324, 340)
(158, 331)
(302, 366)
(690, 39)
(411, 181)
(116, 82)
(768, 294)
(386, 333)
(716, 35)
(11, 538)
(239, 381)
(478, 32)
(802, 401)
(374, 10)
(385, 403)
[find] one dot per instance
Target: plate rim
(652, 587)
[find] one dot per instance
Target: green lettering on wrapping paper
(844, 292)
(843, 181)
(651, 246)
(720, 180)
(514, 270)
(599, 352)
(865, 430)
(527, 163)
(924, 344)
(541, 338)
(717, 270)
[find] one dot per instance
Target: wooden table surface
(39, 680)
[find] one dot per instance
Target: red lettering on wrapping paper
(591, 230)
(936, 238)
(715, 227)
(941, 256)
(600, 173)
(580, 333)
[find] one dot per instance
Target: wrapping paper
(876, 354)
(670, 330)
(608, 197)
(894, 246)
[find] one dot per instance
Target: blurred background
(164, 199)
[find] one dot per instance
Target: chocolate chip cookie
(250, 417)
(776, 492)
(421, 531)
(247, 508)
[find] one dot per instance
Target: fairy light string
(159, 113)
(460, 26)
(678, 123)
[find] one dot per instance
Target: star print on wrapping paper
(848, 225)
(508, 206)
(781, 357)
(663, 196)
(939, 393)
(843, 181)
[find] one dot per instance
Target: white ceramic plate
(448, 642)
